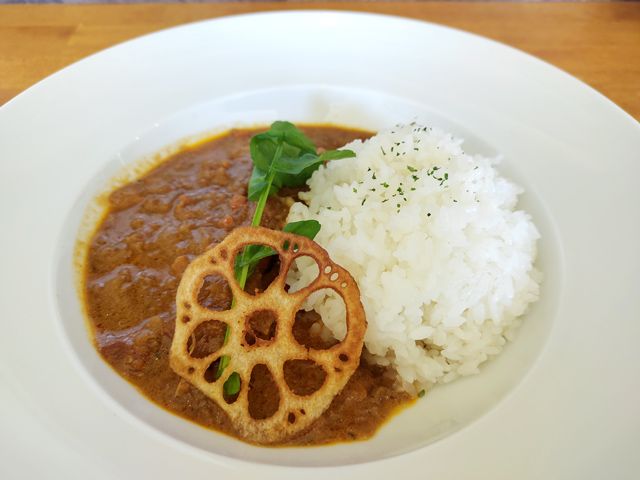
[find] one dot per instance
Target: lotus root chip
(295, 412)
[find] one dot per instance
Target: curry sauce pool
(153, 228)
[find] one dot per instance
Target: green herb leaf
(295, 166)
(251, 256)
(232, 385)
(224, 359)
(292, 142)
(263, 148)
(287, 153)
(288, 133)
(336, 155)
(305, 228)
(295, 171)
(258, 183)
(421, 393)
(282, 156)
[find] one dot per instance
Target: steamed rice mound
(444, 261)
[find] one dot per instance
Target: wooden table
(597, 42)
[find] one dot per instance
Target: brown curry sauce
(153, 228)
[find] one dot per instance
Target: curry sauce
(152, 230)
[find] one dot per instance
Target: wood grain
(597, 42)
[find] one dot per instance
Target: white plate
(561, 402)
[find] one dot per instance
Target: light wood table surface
(597, 42)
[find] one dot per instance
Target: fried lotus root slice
(295, 412)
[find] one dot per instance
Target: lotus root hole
(344, 285)
(211, 373)
(250, 339)
(191, 370)
(186, 319)
(206, 339)
(286, 245)
(333, 277)
(310, 332)
(291, 418)
(343, 357)
(310, 328)
(231, 399)
(327, 269)
(307, 264)
(264, 394)
(261, 326)
(296, 248)
(215, 293)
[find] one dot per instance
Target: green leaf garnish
(287, 132)
(336, 155)
(305, 228)
(263, 148)
(295, 166)
(251, 256)
(306, 163)
(258, 183)
(232, 384)
(282, 156)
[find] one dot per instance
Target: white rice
(444, 262)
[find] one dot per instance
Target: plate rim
(39, 84)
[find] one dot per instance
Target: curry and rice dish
(297, 286)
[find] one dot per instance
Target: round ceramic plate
(560, 402)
